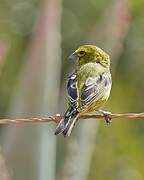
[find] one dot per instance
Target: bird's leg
(106, 114)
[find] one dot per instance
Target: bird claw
(57, 118)
(107, 115)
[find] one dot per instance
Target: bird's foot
(57, 118)
(106, 114)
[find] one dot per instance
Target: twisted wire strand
(57, 118)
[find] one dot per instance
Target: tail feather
(67, 123)
(60, 128)
(67, 131)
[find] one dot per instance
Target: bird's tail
(67, 123)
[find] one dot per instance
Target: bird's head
(90, 53)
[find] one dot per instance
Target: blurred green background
(36, 37)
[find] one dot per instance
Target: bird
(88, 87)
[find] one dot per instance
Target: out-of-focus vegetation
(32, 35)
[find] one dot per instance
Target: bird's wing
(66, 124)
(95, 88)
(72, 91)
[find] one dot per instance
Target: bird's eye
(81, 53)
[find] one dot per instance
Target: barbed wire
(57, 118)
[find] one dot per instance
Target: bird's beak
(73, 56)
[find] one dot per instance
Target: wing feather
(95, 88)
(72, 91)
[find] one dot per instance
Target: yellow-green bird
(88, 87)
